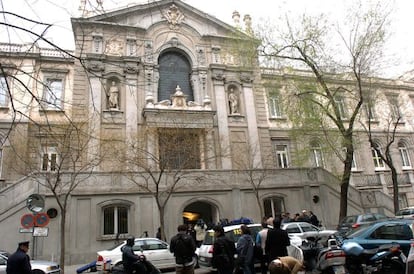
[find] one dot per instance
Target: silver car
(38, 266)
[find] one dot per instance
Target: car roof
(231, 227)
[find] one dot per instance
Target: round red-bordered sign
(27, 220)
(41, 219)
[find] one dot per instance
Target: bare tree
(58, 163)
(391, 118)
(306, 45)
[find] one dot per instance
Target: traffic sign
(27, 220)
(41, 219)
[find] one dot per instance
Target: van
(232, 232)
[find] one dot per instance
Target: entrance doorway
(200, 210)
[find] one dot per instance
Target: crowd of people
(305, 216)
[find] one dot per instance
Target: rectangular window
(115, 220)
(340, 104)
(282, 156)
(274, 106)
(53, 93)
(317, 156)
(4, 92)
(49, 159)
(369, 111)
(378, 162)
(395, 110)
(405, 157)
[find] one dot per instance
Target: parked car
(38, 266)
(155, 250)
(405, 213)
(233, 232)
(354, 221)
(380, 233)
(303, 230)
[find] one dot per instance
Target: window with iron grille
(115, 220)
(179, 149)
(4, 92)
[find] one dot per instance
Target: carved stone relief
(174, 16)
(114, 47)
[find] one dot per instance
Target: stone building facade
(157, 91)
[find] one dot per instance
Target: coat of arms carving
(174, 16)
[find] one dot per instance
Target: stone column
(131, 109)
(223, 127)
(95, 110)
(251, 119)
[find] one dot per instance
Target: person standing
(261, 241)
(183, 246)
(245, 251)
(19, 261)
(313, 219)
(200, 229)
(223, 252)
(277, 241)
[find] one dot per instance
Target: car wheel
(37, 271)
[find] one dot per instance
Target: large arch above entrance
(201, 209)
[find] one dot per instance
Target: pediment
(173, 13)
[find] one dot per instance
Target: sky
(58, 12)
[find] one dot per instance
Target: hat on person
(25, 243)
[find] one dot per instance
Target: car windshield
(233, 234)
(115, 246)
(356, 232)
(349, 219)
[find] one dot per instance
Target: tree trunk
(343, 208)
(394, 178)
(62, 240)
(162, 225)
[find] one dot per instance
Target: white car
(38, 266)
(155, 250)
(405, 213)
(304, 230)
(233, 232)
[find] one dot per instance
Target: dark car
(380, 233)
(354, 221)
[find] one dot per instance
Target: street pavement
(71, 269)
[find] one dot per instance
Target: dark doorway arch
(201, 210)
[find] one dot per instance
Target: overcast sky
(59, 12)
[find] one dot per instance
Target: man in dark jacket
(277, 241)
(183, 246)
(223, 252)
(130, 260)
(19, 261)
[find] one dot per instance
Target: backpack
(184, 249)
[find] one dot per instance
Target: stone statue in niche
(233, 102)
(113, 98)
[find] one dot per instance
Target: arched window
(405, 155)
(316, 155)
(174, 69)
(115, 219)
